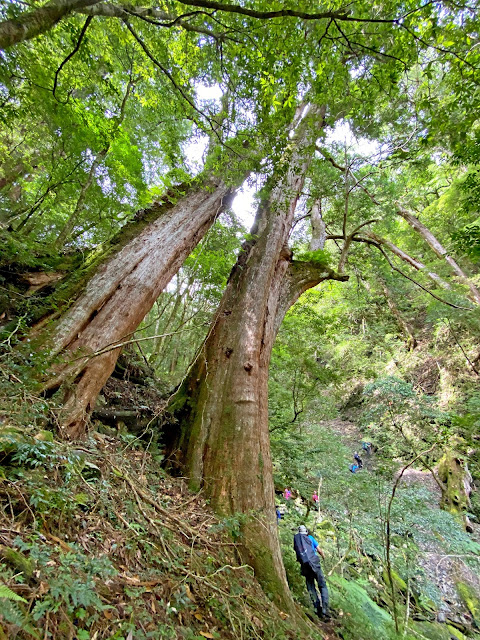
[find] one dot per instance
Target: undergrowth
(97, 542)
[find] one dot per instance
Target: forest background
(134, 297)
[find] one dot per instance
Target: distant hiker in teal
(367, 447)
(305, 547)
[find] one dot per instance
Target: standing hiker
(358, 460)
(305, 547)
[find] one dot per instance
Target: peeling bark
(120, 294)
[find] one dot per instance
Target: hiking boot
(325, 614)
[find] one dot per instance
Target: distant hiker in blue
(353, 468)
(279, 514)
(358, 460)
(305, 547)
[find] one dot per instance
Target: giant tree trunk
(88, 338)
(221, 438)
(439, 250)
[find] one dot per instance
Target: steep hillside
(97, 542)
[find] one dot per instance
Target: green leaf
(6, 592)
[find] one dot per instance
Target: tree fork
(221, 439)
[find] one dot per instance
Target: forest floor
(97, 542)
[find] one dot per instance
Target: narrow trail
(443, 569)
(352, 437)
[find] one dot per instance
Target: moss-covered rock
(398, 582)
(431, 631)
(456, 633)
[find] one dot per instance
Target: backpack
(303, 548)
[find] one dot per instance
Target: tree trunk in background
(453, 472)
(120, 294)
(34, 23)
(70, 224)
(439, 250)
(413, 262)
(221, 437)
(99, 158)
(402, 323)
(319, 233)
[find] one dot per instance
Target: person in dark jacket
(358, 460)
(306, 548)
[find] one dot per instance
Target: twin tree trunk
(220, 438)
(87, 340)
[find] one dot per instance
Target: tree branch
(34, 23)
(70, 55)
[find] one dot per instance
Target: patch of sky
(245, 202)
(342, 133)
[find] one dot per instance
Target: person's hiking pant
(313, 571)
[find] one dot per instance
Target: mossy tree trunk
(220, 439)
(454, 474)
(120, 294)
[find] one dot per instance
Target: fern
(6, 592)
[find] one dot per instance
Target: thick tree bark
(34, 23)
(439, 250)
(221, 438)
(120, 294)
